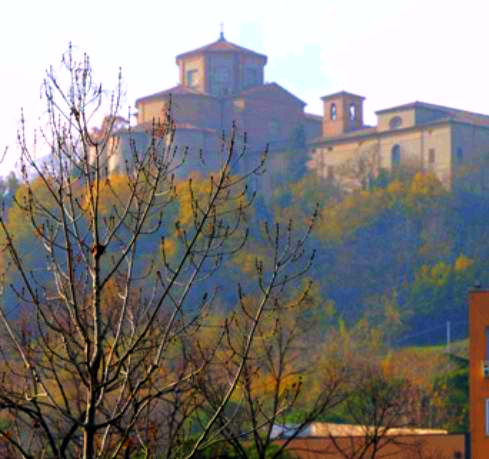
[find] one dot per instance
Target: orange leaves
(462, 263)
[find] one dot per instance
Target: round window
(395, 122)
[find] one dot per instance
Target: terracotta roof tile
(451, 113)
(341, 93)
(148, 126)
(261, 88)
(177, 90)
(221, 45)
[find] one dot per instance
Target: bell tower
(343, 112)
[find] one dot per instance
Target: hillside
(403, 253)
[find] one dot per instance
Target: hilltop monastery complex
(222, 82)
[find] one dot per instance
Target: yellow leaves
(387, 366)
(395, 187)
(113, 191)
(189, 192)
(425, 184)
(424, 188)
(440, 273)
(354, 211)
(462, 263)
(358, 209)
(246, 262)
(168, 247)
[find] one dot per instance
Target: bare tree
(378, 405)
(97, 340)
(360, 171)
(278, 380)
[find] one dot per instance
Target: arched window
(353, 112)
(460, 155)
(396, 155)
(332, 112)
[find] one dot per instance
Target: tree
(97, 340)
(281, 391)
(380, 405)
(361, 171)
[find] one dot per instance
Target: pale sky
(390, 51)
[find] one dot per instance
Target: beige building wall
(322, 159)
(437, 152)
(407, 117)
(151, 110)
(420, 149)
(470, 157)
(196, 64)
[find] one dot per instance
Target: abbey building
(453, 144)
(222, 83)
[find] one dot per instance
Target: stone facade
(221, 84)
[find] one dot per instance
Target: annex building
(451, 143)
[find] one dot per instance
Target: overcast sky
(390, 51)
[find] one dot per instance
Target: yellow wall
(154, 109)
(415, 146)
(195, 63)
(408, 118)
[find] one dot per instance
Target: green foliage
(451, 390)
(221, 451)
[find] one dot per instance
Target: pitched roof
(268, 87)
(452, 113)
(148, 126)
(221, 45)
(313, 116)
(341, 93)
(179, 90)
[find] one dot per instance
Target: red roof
(148, 126)
(269, 88)
(452, 113)
(221, 45)
(178, 90)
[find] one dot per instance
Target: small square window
(192, 78)
(460, 155)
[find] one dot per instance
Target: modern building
(452, 143)
(479, 372)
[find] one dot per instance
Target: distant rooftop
(454, 113)
(341, 93)
(179, 89)
(221, 45)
